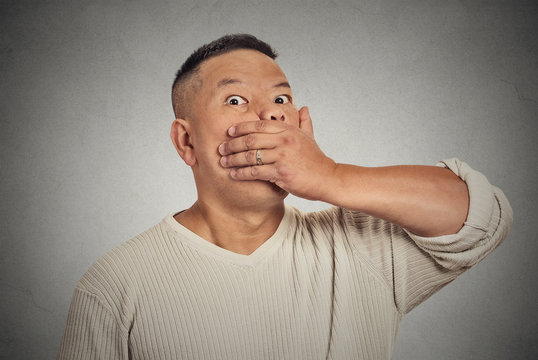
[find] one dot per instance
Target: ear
(180, 135)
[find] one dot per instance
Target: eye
(282, 99)
(235, 100)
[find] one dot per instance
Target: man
(240, 275)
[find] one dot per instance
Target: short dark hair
(217, 47)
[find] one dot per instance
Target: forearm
(426, 200)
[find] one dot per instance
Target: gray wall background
(86, 160)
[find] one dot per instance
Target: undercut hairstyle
(187, 77)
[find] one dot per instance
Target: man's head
(187, 80)
(232, 80)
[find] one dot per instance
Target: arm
(418, 266)
(441, 220)
(91, 331)
(426, 200)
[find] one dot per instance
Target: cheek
(206, 138)
(210, 134)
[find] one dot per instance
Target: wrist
(331, 182)
(347, 186)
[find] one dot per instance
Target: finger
(249, 158)
(305, 122)
(257, 126)
(262, 172)
(248, 142)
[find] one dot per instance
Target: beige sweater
(327, 285)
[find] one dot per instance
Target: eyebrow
(229, 81)
(283, 84)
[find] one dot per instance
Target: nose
(272, 112)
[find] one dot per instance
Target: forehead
(248, 66)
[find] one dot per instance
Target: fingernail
(223, 161)
(231, 131)
(233, 173)
(221, 149)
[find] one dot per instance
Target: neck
(238, 229)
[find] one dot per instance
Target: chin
(259, 192)
(281, 192)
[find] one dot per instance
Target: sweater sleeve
(417, 266)
(92, 331)
(488, 221)
(416, 276)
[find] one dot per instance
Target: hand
(291, 158)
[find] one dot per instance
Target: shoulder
(121, 269)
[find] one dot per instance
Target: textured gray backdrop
(87, 163)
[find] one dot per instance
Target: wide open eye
(235, 100)
(282, 99)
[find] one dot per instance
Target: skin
(245, 104)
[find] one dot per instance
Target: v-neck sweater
(333, 284)
(264, 251)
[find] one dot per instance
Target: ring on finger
(259, 157)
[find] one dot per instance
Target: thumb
(305, 122)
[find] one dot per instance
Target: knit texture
(327, 285)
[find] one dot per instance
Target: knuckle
(259, 125)
(249, 141)
(249, 156)
(254, 171)
(283, 173)
(288, 139)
